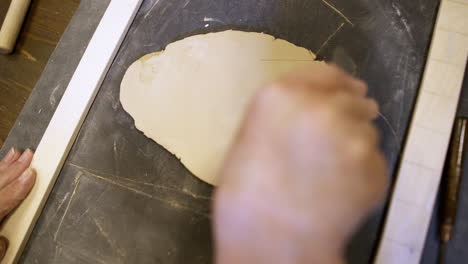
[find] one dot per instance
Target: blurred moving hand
(303, 173)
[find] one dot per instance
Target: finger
(332, 78)
(9, 158)
(354, 86)
(373, 108)
(359, 87)
(15, 192)
(14, 170)
(378, 180)
(3, 247)
(358, 107)
(363, 133)
(317, 75)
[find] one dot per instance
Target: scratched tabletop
(122, 198)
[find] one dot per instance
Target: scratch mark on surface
(211, 19)
(196, 196)
(170, 202)
(40, 111)
(396, 9)
(151, 9)
(78, 219)
(398, 125)
(109, 95)
(77, 183)
(175, 204)
(60, 204)
(28, 55)
(148, 155)
(407, 27)
(108, 238)
(403, 91)
(140, 150)
(52, 98)
(121, 185)
(186, 3)
(156, 186)
(390, 125)
(63, 201)
(57, 251)
(338, 11)
(330, 38)
(403, 20)
(81, 253)
(139, 192)
(116, 159)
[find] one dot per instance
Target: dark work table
(122, 198)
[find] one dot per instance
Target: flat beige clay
(191, 97)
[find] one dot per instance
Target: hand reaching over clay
(304, 171)
(16, 180)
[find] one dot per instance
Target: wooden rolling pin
(12, 24)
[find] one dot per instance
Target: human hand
(303, 172)
(16, 180)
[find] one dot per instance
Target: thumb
(3, 247)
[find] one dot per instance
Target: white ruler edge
(418, 179)
(67, 120)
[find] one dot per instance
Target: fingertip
(28, 177)
(334, 66)
(22, 186)
(359, 86)
(373, 109)
(26, 157)
(12, 155)
(384, 179)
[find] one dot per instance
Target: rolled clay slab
(191, 98)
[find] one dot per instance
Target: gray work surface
(122, 198)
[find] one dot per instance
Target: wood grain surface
(19, 72)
